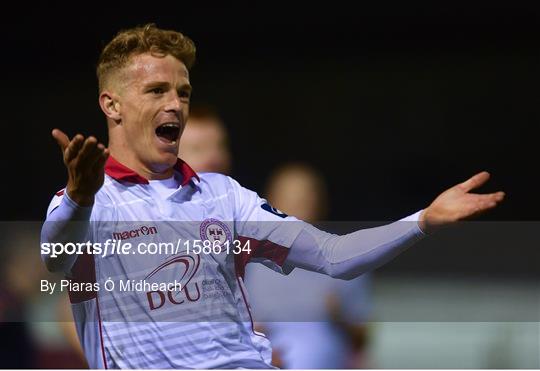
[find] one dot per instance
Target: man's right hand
(85, 161)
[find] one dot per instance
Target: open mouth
(168, 132)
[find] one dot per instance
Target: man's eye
(157, 91)
(185, 94)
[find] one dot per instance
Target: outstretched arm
(353, 254)
(85, 161)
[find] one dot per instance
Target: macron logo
(142, 231)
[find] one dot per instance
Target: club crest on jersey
(273, 210)
(215, 230)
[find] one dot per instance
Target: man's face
(154, 105)
(204, 146)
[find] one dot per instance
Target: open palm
(457, 203)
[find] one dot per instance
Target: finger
(106, 154)
(73, 148)
(88, 151)
(485, 202)
(100, 162)
(488, 203)
(499, 196)
(97, 156)
(475, 181)
(489, 196)
(99, 166)
(61, 138)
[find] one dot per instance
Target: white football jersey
(202, 322)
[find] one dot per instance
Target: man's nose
(174, 103)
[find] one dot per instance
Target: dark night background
(393, 103)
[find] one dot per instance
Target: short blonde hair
(140, 40)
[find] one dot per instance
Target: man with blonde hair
(135, 190)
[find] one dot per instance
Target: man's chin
(169, 158)
(163, 161)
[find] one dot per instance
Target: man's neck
(157, 172)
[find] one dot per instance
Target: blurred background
(391, 104)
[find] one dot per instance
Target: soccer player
(137, 188)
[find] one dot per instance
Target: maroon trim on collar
(187, 172)
(120, 172)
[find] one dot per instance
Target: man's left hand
(457, 203)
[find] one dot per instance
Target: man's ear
(110, 105)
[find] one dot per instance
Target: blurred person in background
(33, 325)
(332, 333)
(17, 287)
(204, 145)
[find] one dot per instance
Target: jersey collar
(120, 172)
